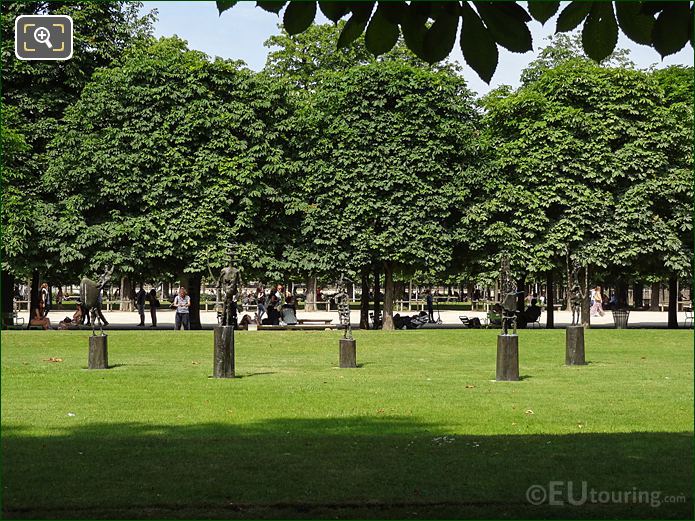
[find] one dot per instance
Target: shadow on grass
(354, 467)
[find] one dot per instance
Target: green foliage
(564, 47)
(39, 93)
(382, 147)
(429, 28)
(167, 157)
(587, 159)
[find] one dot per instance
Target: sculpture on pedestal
(342, 300)
(228, 285)
(509, 299)
(576, 295)
(90, 296)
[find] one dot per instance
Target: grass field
(419, 430)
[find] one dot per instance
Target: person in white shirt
(182, 302)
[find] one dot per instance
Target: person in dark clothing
(140, 303)
(430, 306)
(272, 312)
(154, 304)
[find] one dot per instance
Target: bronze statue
(342, 300)
(508, 287)
(228, 284)
(576, 295)
(90, 296)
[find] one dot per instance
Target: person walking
(140, 303)
(182, 302)
(154, 304)
(597, 307)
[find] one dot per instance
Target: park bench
(318, 321)
(298, 327)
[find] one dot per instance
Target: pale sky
(240, 32)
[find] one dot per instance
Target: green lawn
(420, 429)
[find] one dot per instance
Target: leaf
(600, 32)
(572, 16)
(414, 29)
(356, 24)
(299, 16)
(543, 11)
(381, 34)
(223, 5)
(393, 11)
(477, 45)
(441, 36)
(636, 25)
(334, 11)
(271, 6)
(506, 24)
(670, 32)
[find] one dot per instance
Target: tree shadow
(347, 467)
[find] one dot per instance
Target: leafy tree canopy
(167, 157)
(431, 29)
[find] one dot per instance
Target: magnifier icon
(42, 35)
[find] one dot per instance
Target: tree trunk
(388, 296)
(364, 300)
(166, 290)
(550, 301)
(126, 301)
(191, 281)
(520, 286)
(621, 293)
(7, 298)
(586, 310)
(34, 294)
(672, 302)
(568, 289)
(637, 295)
(470, 288)
(310, 300)
(377, 292)
(655, 297)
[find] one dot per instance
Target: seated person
(495, 315)
(272, 313)
(530, 315)
(76, 320)
(39, 320)
(289, 312)
(245, 321)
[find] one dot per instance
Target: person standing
(260, 300)
(59, 297)
(140, 303)
(182, 302)
(430, 306)
(45, 300)
(154, 304)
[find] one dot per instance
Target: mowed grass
(420, 429)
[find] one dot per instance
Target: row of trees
(330, 162)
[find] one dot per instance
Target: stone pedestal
(98, 352)
(348, 352)
(507, 358)
(223, 363)
(574, 352)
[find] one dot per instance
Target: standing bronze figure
(228, 285)
(509, 300)
(342, 300)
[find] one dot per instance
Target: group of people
(528, 316)
(278, 307)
